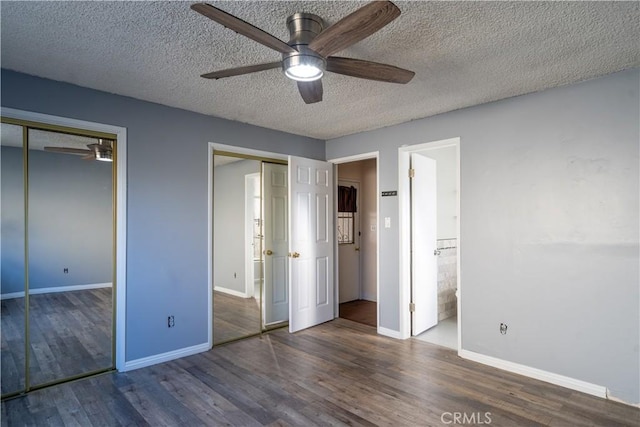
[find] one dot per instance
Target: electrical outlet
(171, 322)
(503, 328)
(65, 270)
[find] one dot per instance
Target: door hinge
(412, 173)
(412, 307)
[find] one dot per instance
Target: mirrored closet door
(250, 276)
(12, 260)
(58, 287)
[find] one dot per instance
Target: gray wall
(549, 226)
(70, 220)
(12, 221)
(229, 223)
(167, 199)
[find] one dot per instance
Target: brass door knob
(357, 248)
(268, 252)
(294, 255)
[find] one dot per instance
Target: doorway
(357, 236)
(429, 180)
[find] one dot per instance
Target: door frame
(404, 215)
(120, 214)
(249, 152)
(348, 159)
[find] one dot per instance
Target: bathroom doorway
(429, 241)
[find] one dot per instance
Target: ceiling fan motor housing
(303, 27)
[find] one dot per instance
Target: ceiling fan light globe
(303, 67)
(104, 156)
(304, 73)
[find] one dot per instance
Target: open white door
(424, 261)
(276, 287)
(310, 243)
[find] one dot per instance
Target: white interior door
(349, 256)
(310, 243)
(276, 286)
(424, 261)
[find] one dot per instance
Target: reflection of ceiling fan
(308, 53)
(102, 150)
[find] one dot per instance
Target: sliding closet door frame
(233, 151)
(240, 154)
(30, 120)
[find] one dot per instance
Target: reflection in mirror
(70, 249)
(12, 263)
(276, 245)
(237, 248)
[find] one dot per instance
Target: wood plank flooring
(234, 317)
(360, 311)
(70, 334)
(338, 373)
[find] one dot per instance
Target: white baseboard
(56, 289)
(539, 374)
(389, 333)
(624, 402)
(371, 298)
(164, 357)
(230, 292)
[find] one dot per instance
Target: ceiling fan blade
(311, 92)
(368, 70)
(68, 150)
(91, 156)
(242, 27)
(354, 27)
(241, 70)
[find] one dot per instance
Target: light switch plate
(387, 222)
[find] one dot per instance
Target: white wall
(446, 176)
(368, 240)
(549, 227)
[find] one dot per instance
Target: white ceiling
(463, 53)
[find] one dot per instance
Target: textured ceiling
(463, 53)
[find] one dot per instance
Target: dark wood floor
(360, 311)
(70, 334)
(338, 373)
(234, 317)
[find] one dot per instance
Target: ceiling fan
(308, 54)
(102, 150)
